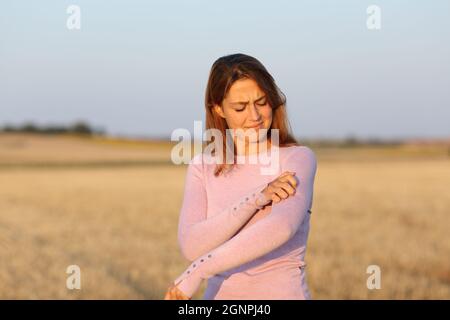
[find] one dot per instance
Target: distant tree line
(83, 128)
(350, 142)
(78, 127)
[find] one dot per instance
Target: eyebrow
(245, 102)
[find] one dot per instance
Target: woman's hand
(281, 188)
(173, 293)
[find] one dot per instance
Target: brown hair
(224, 72)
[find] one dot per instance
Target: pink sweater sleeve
(263, 236)
(198, 235)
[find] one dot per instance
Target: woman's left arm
(263, 236)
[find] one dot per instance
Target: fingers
(275, 198)
(285, 175)
(289, 178)
(282, 187)
(280, 192)
(286, 187)
(168, 295)
(173, 293)
(178, 294)
(181, 295)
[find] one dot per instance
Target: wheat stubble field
(112, 207)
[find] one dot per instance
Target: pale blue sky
(139, 68)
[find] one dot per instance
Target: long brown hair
(224, 72)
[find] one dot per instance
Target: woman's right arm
(198, 234)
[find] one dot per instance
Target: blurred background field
(91, 91)
(111, 205)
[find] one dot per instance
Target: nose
(254, 113)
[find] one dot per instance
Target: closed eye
(263, 103)
(259, 103)
(240, 110)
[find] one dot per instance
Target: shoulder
(196, 163)
(196, 160)
(300, 153)
(200, 164)
(202, 159)
(300, 159)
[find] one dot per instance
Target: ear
(218, 109)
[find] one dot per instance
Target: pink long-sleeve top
(243, 249)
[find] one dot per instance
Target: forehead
(244, 89)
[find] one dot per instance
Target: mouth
(255, 127)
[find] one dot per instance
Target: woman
(246, 231)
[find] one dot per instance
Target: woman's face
(246, 107)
